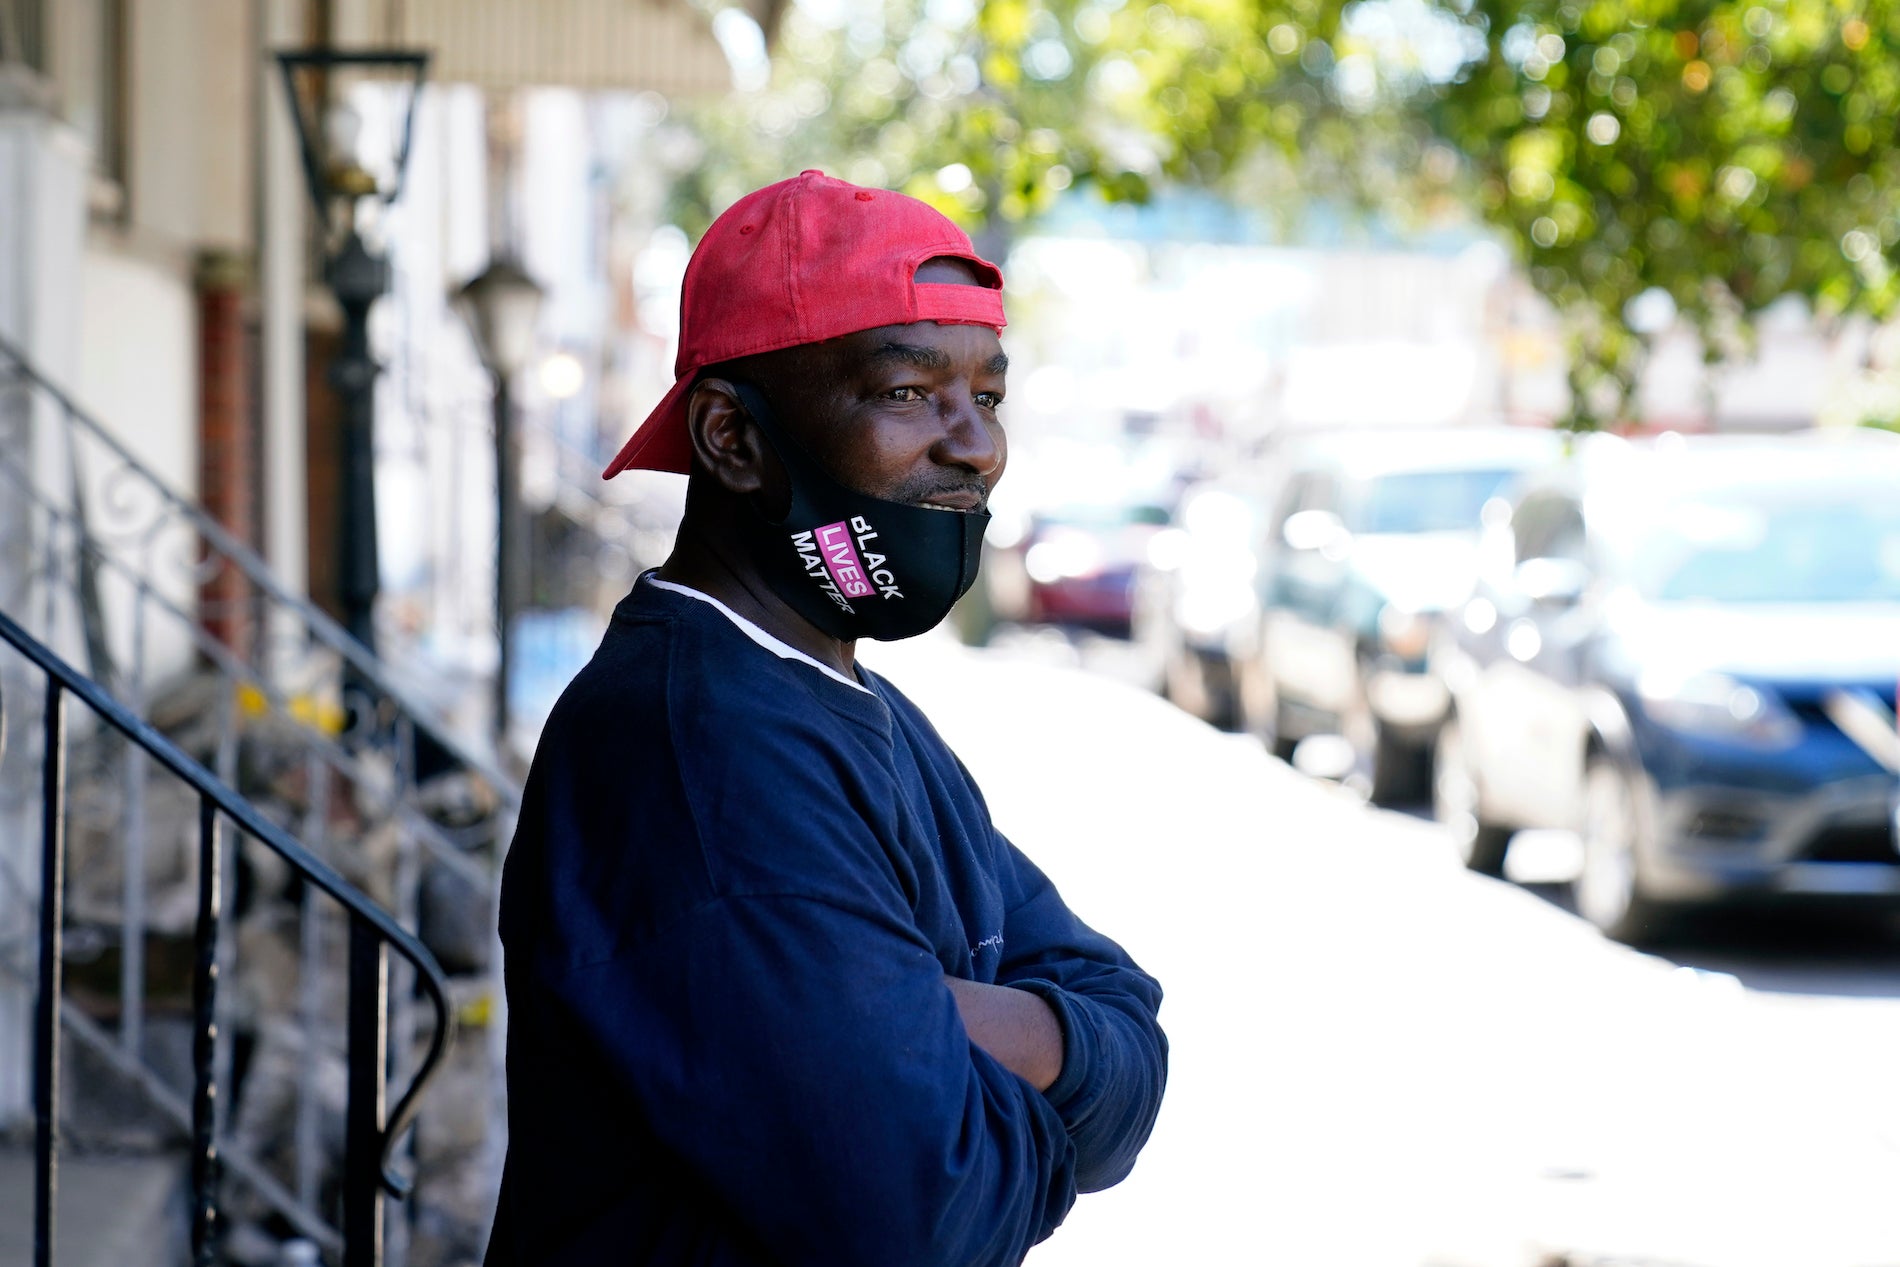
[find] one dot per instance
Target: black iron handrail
(370, 1135)
(363, 663)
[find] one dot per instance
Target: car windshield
(1833, 545)
(1424, 501)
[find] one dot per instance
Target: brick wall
(227, 445)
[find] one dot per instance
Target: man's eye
(990, 400)
(905, 393)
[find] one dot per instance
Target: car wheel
(1223, 691)
(1391, 772)
(1609, 887)
(1481, 846)
(1279, 743)
(1399, 770)
(1184, 684)
(1260, 707)
(1253, 695)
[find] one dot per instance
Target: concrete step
(113, 1210)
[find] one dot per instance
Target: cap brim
(660, 443)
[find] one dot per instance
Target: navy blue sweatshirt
(734, 894)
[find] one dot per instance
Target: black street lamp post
(502, 306)
(358, 278)
(358, 275)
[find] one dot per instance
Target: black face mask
(854, 565)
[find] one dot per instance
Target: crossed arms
(1015, 1027)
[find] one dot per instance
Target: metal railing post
(224, 935)
(204, 1039)
(363, 1124)
(310, 963)
(46, 1027)
(406, 901)
(132, 942)
(132, 899)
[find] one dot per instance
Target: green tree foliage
(990, 109)
(1725, 153)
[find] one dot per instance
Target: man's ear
(726, 444)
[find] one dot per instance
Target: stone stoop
(113, 1210)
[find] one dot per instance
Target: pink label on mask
(841, 560)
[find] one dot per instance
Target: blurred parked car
(1687, 651)
(1374, 534)
(1074, 565)
(1197, 604)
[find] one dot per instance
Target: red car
(1076, 566)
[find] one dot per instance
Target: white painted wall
(228, 89)
(168, 132)
(190, 87)
(138, 376)
(280, 299)
(191, 93)
(138, 358)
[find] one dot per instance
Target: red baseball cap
(802, 261)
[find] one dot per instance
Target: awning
(663, 46)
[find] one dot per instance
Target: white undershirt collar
(782, 650)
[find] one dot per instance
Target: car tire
(1399, 771)
(1457, 804)
(1219, 677)
(1253, 695)
(1280, 744)
(1391, 772)
(1181, 685)
(1202, 685)
(1608, 890)
(1259, 706)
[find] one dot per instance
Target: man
(779, 992)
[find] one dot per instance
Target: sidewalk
(1381, 1060)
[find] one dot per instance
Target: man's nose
(970, 439)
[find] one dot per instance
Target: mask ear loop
(753, 401)
(760, 411)
(970, 566)
(966, 575)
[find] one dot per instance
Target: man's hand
(1014, 1026)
